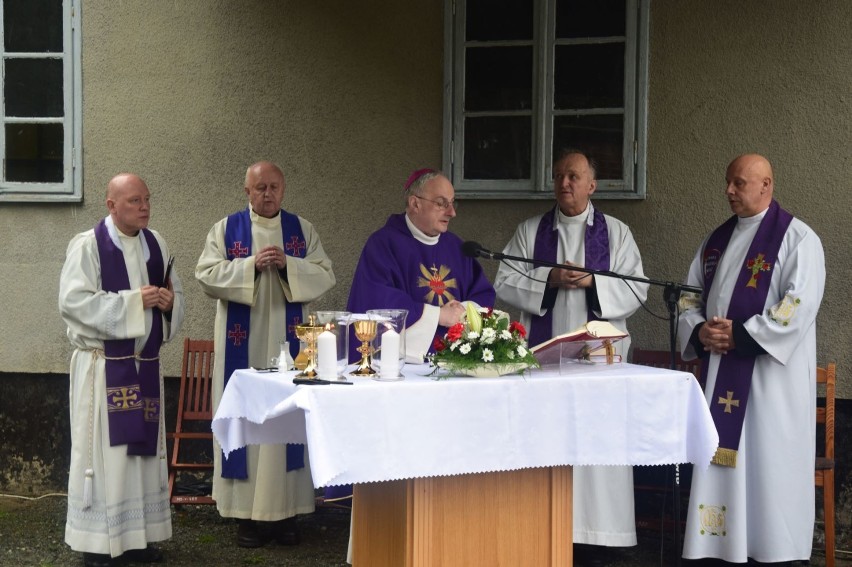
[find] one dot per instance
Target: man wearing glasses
(415, 263)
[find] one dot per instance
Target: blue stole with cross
(237, 245)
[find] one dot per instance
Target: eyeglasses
(442, 203)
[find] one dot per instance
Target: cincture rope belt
(90, 471)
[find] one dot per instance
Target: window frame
(632, 185)
(70, 189)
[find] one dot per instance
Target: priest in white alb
(261, 264)
(121, 301)
(555, 301)
(754, 326)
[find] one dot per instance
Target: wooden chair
(661, 359)
(824, 468)
(653, 483)
(194, 415)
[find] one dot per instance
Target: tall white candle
(327, 355)
(390, 354)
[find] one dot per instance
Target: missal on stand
(590, 341)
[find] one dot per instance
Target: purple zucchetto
(415, 175)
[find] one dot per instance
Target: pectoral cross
(729, 401)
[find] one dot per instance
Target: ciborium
(308, 333)
(365, 331)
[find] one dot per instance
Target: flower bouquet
(485, 343)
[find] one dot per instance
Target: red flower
(490, 312)
(438, 344)
(454, 333)
(515, 326)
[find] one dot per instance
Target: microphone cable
(626, 282)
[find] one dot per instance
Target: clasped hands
(162, 298)
(270, 256)
(717, 335)
(570, 279)
(451, 313)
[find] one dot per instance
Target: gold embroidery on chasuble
(782, 313)
(689, 300)
(712, 520)
(437, 284)
(152, 409)
(755, 266)
(124, 398)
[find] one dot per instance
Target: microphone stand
(671, 295)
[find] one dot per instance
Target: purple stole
(133, 396)
(733, 379)
(237, 245)
(546, 247)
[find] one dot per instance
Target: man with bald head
(120, 303)
(763, 274)
(262, 265)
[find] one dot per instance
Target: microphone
(475, 250)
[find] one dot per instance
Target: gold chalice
(308, 333)
(365, 331)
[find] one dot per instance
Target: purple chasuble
(733, 379)
(238, 245)
(133, 396)
(596, 248)
(397, 271)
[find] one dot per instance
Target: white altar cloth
(619, 414)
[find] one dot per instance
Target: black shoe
(248, 534)
(587, 555)
(98, 560)
(149, 554)
(287, 532)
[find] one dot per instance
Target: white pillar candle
(327, 355)
(390, 354)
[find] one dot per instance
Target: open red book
(589, 339)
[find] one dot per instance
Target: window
(41, 134)
(528, 78)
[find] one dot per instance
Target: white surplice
(130, 497)
(603, 496)
(763, 508)
(270, 493)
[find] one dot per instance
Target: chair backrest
(825, 415)
(194, 402)
(662, 359)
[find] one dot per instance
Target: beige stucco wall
(347, 97)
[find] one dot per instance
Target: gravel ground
(32, 533)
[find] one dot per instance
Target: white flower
(465, 348)
(488, 335)
(454, 345)
(506, 335)
(522, 352)
(487, 355)
(471, 335)
(511, 355)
